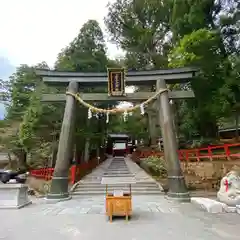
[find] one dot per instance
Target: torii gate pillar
(176, 181)
(59, 186)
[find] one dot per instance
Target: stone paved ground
(83, 218)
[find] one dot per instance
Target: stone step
(109, 172)
(87, 193)
(117, 165)
(111, 187)
(118, 162)
(117, 175)
(97, 183)
(116, 168)
(121, 161)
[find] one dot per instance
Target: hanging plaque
(116, 82)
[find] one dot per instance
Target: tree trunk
(10, 162)
(22, 159)
(208, 129)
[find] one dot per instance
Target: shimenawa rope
(115, 110)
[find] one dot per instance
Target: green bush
(203, 142)
(157, 165)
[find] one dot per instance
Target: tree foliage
(141, 28)
(86, 53)
(206, 35)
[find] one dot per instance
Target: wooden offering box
(118, 203)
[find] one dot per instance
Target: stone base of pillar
(177, 189)
(180, 197)
(59, 189)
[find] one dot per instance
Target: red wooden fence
(227, 151)
(76, 172)
(43, 173)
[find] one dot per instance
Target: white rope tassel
(89, 113)
(107, 117)
(142, 109)
(125, 114)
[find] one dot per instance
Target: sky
(33, 31)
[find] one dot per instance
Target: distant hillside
(6, 70)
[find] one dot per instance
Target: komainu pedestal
(13, 195)
(229, 192)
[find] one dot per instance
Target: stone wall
(206, 175)
(40, 186)
(201, 175)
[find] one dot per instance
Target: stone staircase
(117, 167)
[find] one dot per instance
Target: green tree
(141, 28)
(17, 94)
(41, 123)
(19, 89)
(21, 86)
(86, 53)
(201, 49)
(206, 34)
(135, 125)
(191, 15)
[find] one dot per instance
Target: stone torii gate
(75, 80)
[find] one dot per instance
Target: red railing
(44, 173)
(76, 172)
(227, 151)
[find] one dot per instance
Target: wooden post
(176, 181)
(152, 127)
(86, 150)
(59, 186)
(87, 143)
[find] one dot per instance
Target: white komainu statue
(229, 192)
